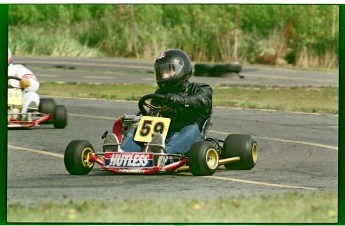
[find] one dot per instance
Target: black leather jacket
(197, 108)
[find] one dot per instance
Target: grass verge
(322, 100)
(292, 207)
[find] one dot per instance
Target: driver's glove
(175, 98)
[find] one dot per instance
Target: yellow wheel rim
(255, 152)
(85, 157)
(212, 158)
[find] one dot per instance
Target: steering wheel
(13, 77)
(143, 102)
(8, 81)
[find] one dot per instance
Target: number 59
(148, 126)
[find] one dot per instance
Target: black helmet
(173, 69)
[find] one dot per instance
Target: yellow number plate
(14, 97)
(149, 126)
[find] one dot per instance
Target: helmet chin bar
(173, 88)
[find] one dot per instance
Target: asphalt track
(297, 152)
(133, 71)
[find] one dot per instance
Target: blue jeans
(175, 142)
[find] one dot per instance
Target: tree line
(297, 35)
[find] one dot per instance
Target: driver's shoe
(32, 107)
(157, 145)
(111, 143)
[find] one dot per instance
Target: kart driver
(192, 103)
(28, 83)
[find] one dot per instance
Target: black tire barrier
(202, 69)
(217, 70)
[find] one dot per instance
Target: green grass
(110, 91)
(291, 207)
(322, 100)
(301, 99)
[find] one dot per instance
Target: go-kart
(48, 111)
(236, 152)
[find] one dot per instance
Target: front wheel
(243, 146)
(60, 117)
(77, 157)
(203, 159)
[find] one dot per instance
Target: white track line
(223, 133)
(261, 183)
(91, 116)
(287, 141)
(36, 151)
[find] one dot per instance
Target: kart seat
(117, 129)
(206, 127)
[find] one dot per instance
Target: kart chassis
(237, 151)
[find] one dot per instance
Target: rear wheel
(203, 159)
(60, 117)
(243, 146)
(47, 106)
(77, 157)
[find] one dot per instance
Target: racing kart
(48, 111)
(236, 152)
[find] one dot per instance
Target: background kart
(236, 152)
(48, 111)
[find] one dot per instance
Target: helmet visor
(165, 71)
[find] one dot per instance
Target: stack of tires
(217, 70)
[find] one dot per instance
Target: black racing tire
(232, 67)
(202, 69)
(243, 146)
(76, 157)
(221, 70)
(47, 106)
(60, 117)
(218, 71)
(203, 159)
(200, 74)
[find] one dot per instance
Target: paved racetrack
(297, 152)
(134, 71)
